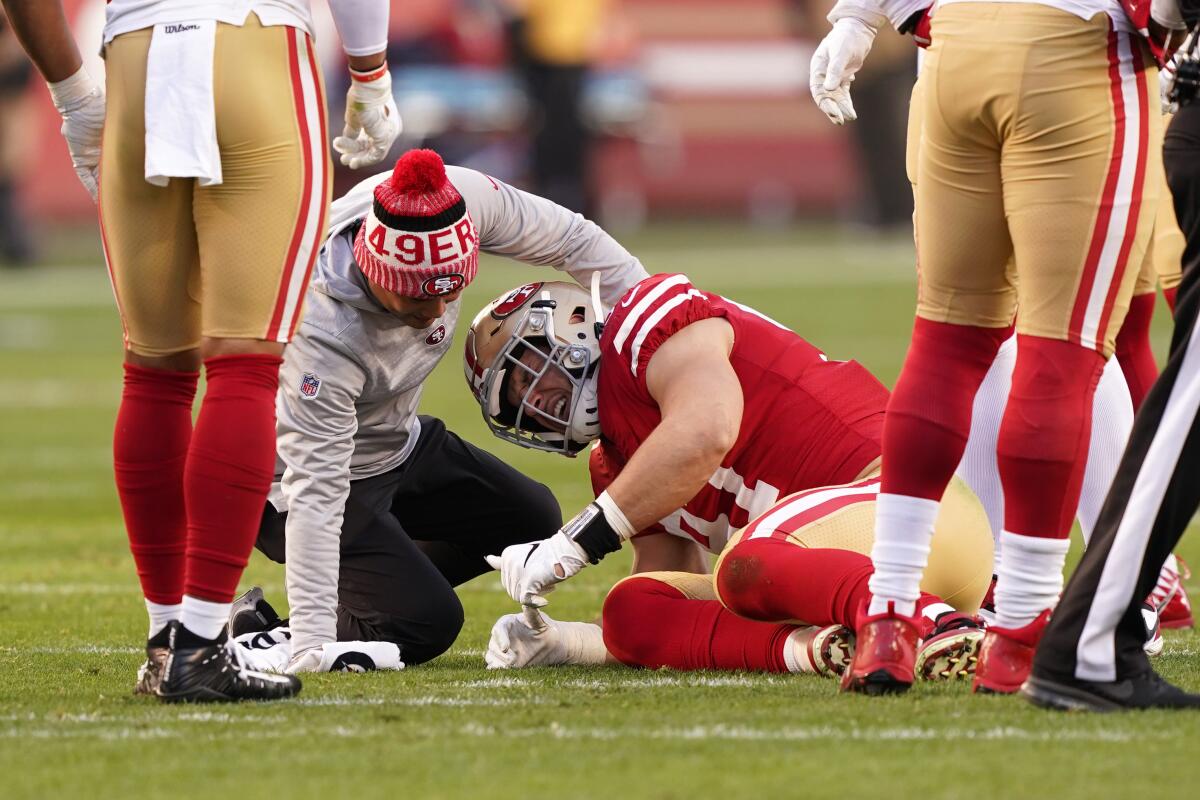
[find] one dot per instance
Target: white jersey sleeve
(318, 386)
(537, 231)
(876, 12)
(361, 24)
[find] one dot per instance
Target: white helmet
(563, 323)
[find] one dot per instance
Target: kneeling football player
(719, 430)
(378, 511)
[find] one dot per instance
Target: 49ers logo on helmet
(443, 284)
(515, 299)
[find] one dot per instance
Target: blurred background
(635, 112)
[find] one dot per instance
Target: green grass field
(71, 619)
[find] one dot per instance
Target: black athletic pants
(411, 534)
(1097, 631)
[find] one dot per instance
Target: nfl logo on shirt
(309, 386)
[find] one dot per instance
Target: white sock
(903, 528)
(979, 466)
(1112, 420)
(1030, 578)
(934, 610)
(796, 654)
(204, 618)
(160, 615)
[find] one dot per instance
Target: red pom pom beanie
(418, 239)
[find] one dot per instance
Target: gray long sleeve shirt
(351, 379)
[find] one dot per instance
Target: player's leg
(258, 232)
(150, 248)
(673, 619)
(461, 503)
(965, 305)
(805, 558)
(1080, 182)
(388, 591)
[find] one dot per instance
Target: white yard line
(105, 729)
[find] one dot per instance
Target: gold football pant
(1037, 181)
(230, 260)
(843, 518)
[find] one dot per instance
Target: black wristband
(591, 531)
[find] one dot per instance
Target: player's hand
(528, 639)
(838, 57)
(529, 571)
(372, 120)
(81, 103)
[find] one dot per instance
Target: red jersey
(807, 421)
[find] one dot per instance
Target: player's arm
(700, 400)
(42, 28)
(538, 231)
(372, 120)
(315, 443)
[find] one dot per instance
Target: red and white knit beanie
(418, 239)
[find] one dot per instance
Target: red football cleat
(1177, 611)
(950, 649)
(884, 655)
(1006, 656)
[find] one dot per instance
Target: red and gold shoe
(1006, 656)
(885, 653)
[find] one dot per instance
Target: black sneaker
(251, 613)
(1148, 690)
(202, 670)
(149, 675)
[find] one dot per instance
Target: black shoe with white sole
(1148, 690)
(202, 670)
(149, 675)
(251, 613)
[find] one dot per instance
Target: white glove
(372, 120)
(305, 661)
(532, 639)
(838, 57)
(81, 103)
(529, 571)
(1166, 84)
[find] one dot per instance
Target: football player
(720, 430)
(1035, 149)
(212, 206)
(377, 511)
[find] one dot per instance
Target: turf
(71, 618)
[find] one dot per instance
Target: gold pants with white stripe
(230, 260)
(1037, 171)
